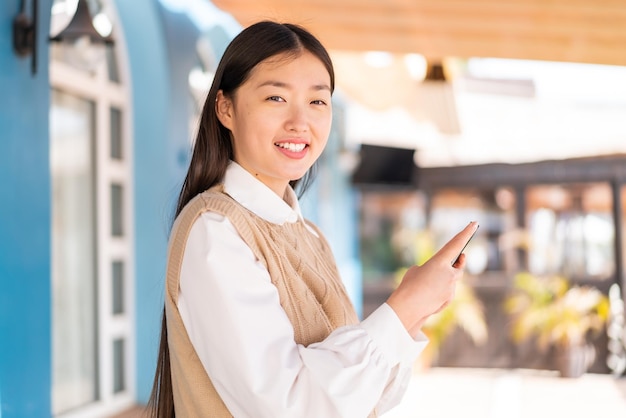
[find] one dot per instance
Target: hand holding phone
(428, 288)
(463, 249)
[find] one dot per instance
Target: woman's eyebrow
(273, 83)
(276, 83)
(321, 87)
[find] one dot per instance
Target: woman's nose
(297, 119)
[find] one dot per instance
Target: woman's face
(279, 118)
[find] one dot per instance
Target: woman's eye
(318, 102)
(275, 99)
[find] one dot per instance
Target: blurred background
(511, 113)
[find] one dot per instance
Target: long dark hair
(213, 148)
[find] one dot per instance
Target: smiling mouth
(291, 146)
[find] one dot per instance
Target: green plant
(555, 312)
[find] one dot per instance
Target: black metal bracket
(25, 34)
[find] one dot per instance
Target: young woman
(257, 322)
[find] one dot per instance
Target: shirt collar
(260, 199)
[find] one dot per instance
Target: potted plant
(558, 315)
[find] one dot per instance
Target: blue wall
(25, 359)
(155, 181)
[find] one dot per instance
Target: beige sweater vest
(300, 265)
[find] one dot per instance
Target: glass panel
(117, 210)
(117, 269)
(112, 67)
(119, 383)
(73, 252)
(116, 133)
(571, 231)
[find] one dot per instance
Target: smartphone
(463, 249)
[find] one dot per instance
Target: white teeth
(291, 147)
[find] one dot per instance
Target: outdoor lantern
(25, 30)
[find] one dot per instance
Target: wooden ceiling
(587, 31)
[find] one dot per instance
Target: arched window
(92, 218)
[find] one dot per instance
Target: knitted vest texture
(300, 265)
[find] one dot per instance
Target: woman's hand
(427, 289)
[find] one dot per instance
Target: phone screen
(463, 249)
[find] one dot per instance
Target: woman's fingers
(452, 249)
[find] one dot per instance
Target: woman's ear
(223, 109)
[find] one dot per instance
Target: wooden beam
(590, 31)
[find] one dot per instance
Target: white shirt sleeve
(245, 341)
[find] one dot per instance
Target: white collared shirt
(245, 341)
